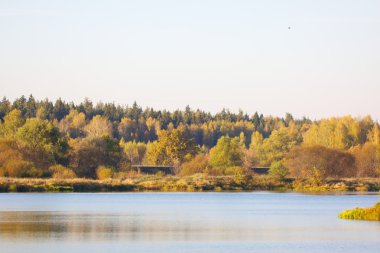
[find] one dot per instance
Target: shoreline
(197, 183)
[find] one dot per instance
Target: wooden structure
(260, 170)
(143, 169)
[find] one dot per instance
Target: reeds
(370, 213)
(197, 182)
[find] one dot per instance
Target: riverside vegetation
(194, 183)
(60, 146)
(370, 213)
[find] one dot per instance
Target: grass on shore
(197, 182)
(370, 213)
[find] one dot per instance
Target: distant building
(167, 170)
(260, 170)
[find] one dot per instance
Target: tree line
(42, 138)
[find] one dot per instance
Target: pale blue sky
(208, 54)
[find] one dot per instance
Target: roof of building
(260, 170)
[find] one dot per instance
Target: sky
(209, 54)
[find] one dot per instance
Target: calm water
(184, 222)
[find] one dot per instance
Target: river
(184, 222)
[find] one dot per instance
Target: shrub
(278, 171)
(17, 168)
(61, 172)
(234, 170)
(237, 172)
(103, 172)
(87, 154)
(160, 174)
(121, 175)
(318, 162)
(197, 165)
(367, 159)
(33, 172)
(11, 159)
(370, 213)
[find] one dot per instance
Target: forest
(57, 139)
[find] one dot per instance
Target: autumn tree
(274, 148)
(12, 122)
(127, 129)
(87, 154)
(228, 152)
(98, 127)
(255, 151)
(12, 162)
(374, 135)
(367, 159)
(134, 151)
(319, 162)
(172, 148)
(141, 151)
(153, 126)
(340, 133)
(73, 124)
(41, 142)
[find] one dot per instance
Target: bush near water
(370, 213)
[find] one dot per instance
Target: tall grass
(196, 182)
(370, 213)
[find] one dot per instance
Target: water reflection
(244, 219)
(94, 226)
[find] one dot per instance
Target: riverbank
(369, 213)
(185, 184)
